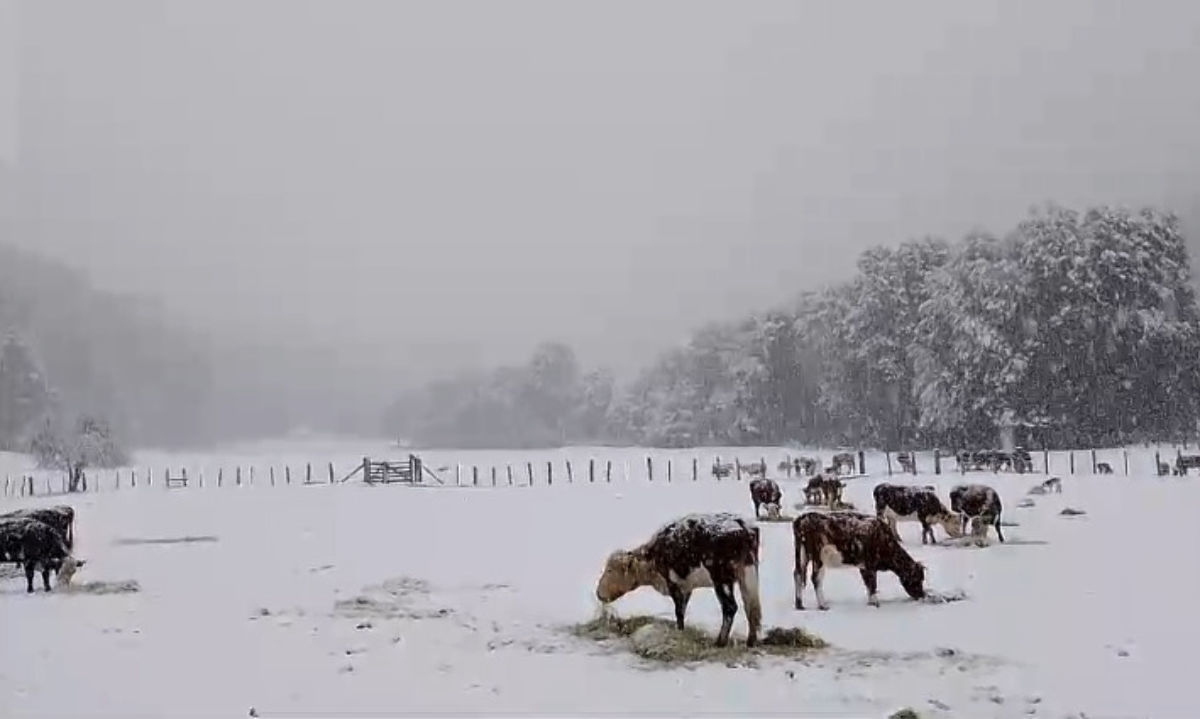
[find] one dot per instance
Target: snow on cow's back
(713, 523)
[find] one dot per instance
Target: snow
(353, 599)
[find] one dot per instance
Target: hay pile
(129, 586)
(657, 639)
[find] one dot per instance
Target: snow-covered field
(348, 599)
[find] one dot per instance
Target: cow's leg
(869, 579)
(756, 515)
(999, 532)
(46, 577)
(747, 582)
(926, 531)
(724, 591)
(29, 570)
(798, 572)
(680, 598)
(818, 578)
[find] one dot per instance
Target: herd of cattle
(40, 540)
(720, 550)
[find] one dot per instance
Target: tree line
(1074, 328)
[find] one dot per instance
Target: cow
(895, 502)
(978, 504)
(38, 546)
(715, 550)
(755, 469)
(1053, 484)
(61, 517)
(720, 470)
(908, 463)
(766, 492)
(844, 460)
(806, 466)
(1103, 468)
(825, 489)
(851, 539)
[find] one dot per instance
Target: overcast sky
(450, 182)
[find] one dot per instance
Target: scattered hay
(129, 586)
(1026, 504)
(658, 640)
(778, 519)
(1036, 490)
(1071, 512)
(394, 599)
(905, 713)
(936, 597)
(165, 540)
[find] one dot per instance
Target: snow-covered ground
(341, 599)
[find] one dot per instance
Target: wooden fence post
(737, 468)
(591, 471)
(1125, 455)
(717, 463)
(608, 471)
(331, 473)
(549, 473)
(695, 469)
(184, 473)
(252, 476)
(529, 468)
(862, 462)
(570, 473)
(201, 478)
(287, 474)
(1094, 468)
(1046, 460)
(493, 475)
(650, 468)
(272, 469)
(474, 476)
(887, 455)
(308, 473)
(509, 468)
(670, 469)
(239, 475)
(220, 476)
(1072, 456)
(1157, 464)
(458, 474)
(937, 461)
(133, 477)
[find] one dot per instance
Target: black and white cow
(824, 489)
(37, 546)
(766, 492)
(61, 517)
(715, 550)
(979, 506)
(851, 539)
(895, 502)
(844, 463)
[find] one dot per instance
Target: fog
(430, 185)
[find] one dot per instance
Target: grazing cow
(722, 470)
(37, 545)
(1103, 468)
(61, 517)
(766, 491)
(1053, 484)
(825, 489)
(978, 504)
(1163, 469)
(895, 502)
(907, 463)
(755, 469)
(844, 460)
(807, 466)
(851, 539)
(698, 550)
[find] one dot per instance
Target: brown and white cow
(61, 517)
(979, 506)
(766, 492)
(825, 489)
(895, 502)
(851, 539)
(715, 550)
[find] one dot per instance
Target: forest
(1076, 328)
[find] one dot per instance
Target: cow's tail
(756, 542)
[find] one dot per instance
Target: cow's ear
(80, 562)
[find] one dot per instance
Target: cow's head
(772, 510)
(952, 523)
(624, 572)
(67, 569)
(913, 580)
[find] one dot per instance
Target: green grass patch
(657, 639)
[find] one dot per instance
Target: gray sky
(8, 81)
(449, 182)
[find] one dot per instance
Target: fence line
(673, 468)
